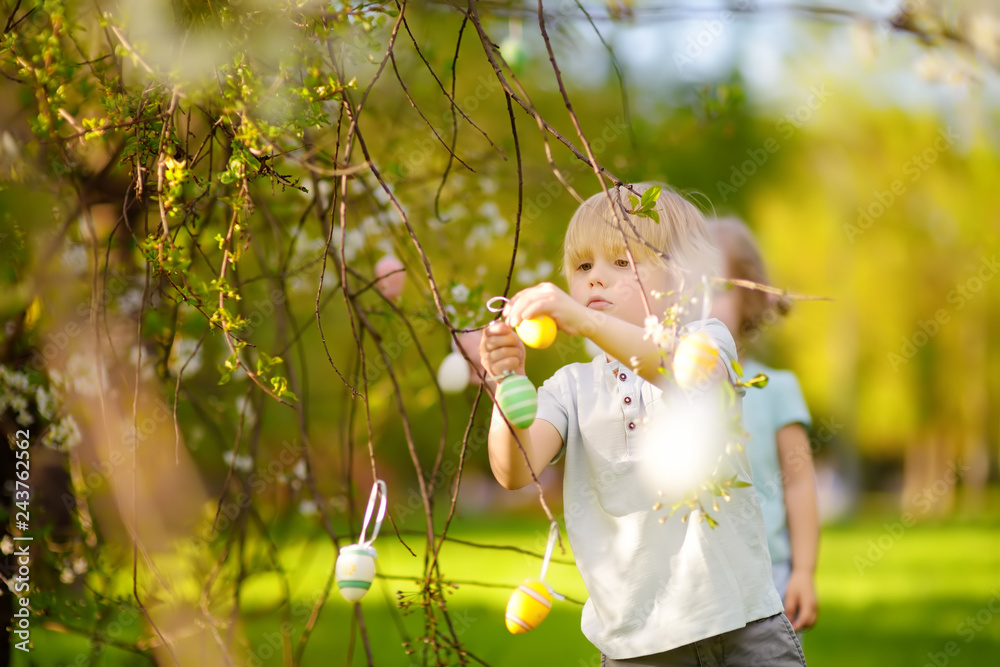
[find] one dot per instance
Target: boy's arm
(501, 351)
(541, 441)
(625, 342)
(803, 523)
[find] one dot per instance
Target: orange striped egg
(528, 606)
(695, 359)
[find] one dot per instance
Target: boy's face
(607, 283)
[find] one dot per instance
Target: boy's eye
(621, 263)
(585, 266)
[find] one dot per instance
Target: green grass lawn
(888, 597)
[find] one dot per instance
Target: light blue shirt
(765, 412)
(652, 586)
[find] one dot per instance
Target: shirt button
(631, 426)
(622, 377)
(628, 400)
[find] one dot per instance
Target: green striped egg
(518, 400)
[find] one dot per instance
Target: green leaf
(634, 200)
(740, 484)
(759, 381)
(650, 196)
(738, 368)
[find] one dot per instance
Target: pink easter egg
(391, 277)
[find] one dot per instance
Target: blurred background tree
(210, 358)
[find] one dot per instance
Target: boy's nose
(598, 275)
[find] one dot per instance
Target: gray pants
(769, 642)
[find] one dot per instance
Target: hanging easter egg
(355, 570)
(513, 51)
(695, 360)
(453, 374)
(538, 332)
(390, 275)
(518, 400)
(528, 606)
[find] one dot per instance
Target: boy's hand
(501, 350)
(547, 299)
(800, 601)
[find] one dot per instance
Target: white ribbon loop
(502, 300)
(377, 487)
(553, 536)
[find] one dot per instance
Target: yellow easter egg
(528, 606)
(538, 332)
(695, 360)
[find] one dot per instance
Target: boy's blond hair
(742, 260)
(679, 242)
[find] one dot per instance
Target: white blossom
(460, 293)
(655, 330)
(308, 508)
(74, 258)
(46, 404)
(245, 407)
(63, 435)
(181, 354)
(243, 463)
(488, 186)
(131, 301)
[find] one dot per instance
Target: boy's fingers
(499, 341)
(505, 359)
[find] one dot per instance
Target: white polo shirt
(653, 586)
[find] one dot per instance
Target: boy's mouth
(598, 303)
